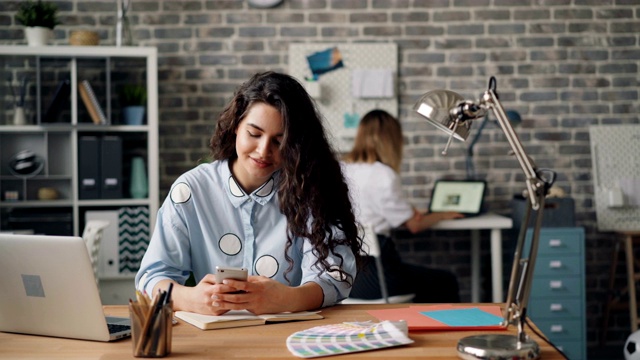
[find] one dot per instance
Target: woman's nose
(264, 147)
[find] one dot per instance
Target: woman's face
(258, 138)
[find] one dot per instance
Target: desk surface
(484, 221)
(267, 341)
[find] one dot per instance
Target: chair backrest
(371, 247)
(370, 244)
(92, 235)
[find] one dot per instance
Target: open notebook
(239, 318)
(49, 288)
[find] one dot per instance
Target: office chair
(371, 247)
(92, 235)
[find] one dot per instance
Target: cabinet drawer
(561, 329)
(573, 349)
(564, 286)
(558, 240)
(558, 266)
(542, 307)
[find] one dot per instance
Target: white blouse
(376, 193)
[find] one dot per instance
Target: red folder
(418, 317)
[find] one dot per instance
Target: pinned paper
(372, 83)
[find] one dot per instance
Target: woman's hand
(421, 221)
(200, 298)
(259, 295)
(262, 295)
(447, 215)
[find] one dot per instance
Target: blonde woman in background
(372, 170)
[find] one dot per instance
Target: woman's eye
(253, 135)
(276, 142)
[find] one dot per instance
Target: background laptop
(463, 196)
(48, 288)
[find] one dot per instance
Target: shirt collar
(237, 196)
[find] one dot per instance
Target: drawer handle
(555, 243)
(555, 307)
(556, 328)
(555, 284)
(555, 264)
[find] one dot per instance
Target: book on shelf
(58, 100)
(91, 103)
(239, 318)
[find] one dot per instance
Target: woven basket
(84, 38)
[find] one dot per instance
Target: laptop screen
(463, 196)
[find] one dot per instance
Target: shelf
(36, 204)
(46, 128)
(114, 202)
(78, 51)
(56, 139)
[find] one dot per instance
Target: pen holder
(151, 330)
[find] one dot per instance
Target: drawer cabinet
(557, 303)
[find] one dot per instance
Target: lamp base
(497, 347)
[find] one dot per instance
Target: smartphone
(225, 272)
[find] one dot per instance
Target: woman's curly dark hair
(312, 190)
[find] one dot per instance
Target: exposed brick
(506, 29)
(449, 16)
(257, 31)
(465, 30)
(368, 17)
(348, 4)
(327, 18)
(415, 16)
(298, 31)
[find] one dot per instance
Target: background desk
(495, 223)
(266, 341)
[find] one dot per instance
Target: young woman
(372, 169)
(274, 201)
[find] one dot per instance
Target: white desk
(495, 223)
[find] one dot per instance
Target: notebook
(48, 288)
(463, 196)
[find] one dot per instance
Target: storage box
(558, 212)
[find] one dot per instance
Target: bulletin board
(615, 157)
(334, 99)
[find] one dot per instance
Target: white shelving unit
(57, 142)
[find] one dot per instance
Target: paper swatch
(347, 337)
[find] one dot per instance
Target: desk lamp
(452, 114)
(514, 120)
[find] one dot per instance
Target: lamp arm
(535, 185)
(538, 188)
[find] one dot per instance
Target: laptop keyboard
(116, 328)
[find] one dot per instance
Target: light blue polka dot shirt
(207, 221)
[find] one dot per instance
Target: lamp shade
(436, 107)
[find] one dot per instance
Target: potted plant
(39, 18)
(133, 99)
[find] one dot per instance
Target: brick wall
(563, 64)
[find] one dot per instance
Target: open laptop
(49, 288)
(463, 196)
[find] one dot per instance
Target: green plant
(133, 95)
(38, 13)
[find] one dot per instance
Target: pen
(167, 298)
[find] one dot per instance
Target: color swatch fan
(347, 337)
